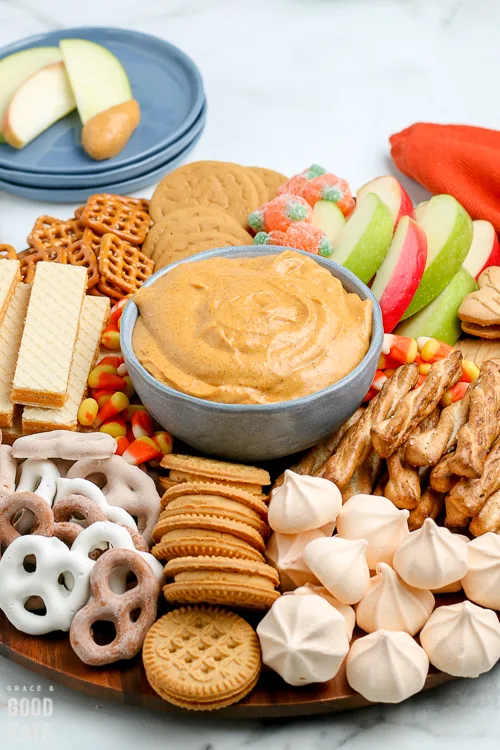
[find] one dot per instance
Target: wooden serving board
(52, 657)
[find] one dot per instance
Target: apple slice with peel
(392, 193)
(399, 275)
(484, 250)
(362, 244)
(16, 68)
(327, 216)
(38, 103)
(439, 320)
(420, 210)
(448, 227)
(98, 78)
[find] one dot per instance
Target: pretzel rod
(430, 506)
(442, 478)
(364, 478)
(478, 435)
(488, 518)
(427, 448)
(468, 496)
(313, 461)
(416, 405)
(403, 487)
(356, 445)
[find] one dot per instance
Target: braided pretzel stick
(119, 609)
(468, 496)
(430, 506)
(392, 432)
(356, 445)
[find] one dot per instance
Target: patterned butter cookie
(204, 543)
(211, 523)
(220, 580)
(248, 499)
(202, 658)
(215, 470)
(207, 183)
(221, 507)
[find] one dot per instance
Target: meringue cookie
(390, 604)
(345, 609)
(377, 520)
(431, 557)
(340, 565)
(386, 666)
(285, 552)
(482, 582)
(456, 586)
(303, 503)
(303, 638)
(462, 640)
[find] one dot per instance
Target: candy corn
(104, 377)
(453, 394)
(142, 424)
(102, 397)
(129, 386)
(88, 411)
(122, 443)
(386, 362)
(378, 380)
(116, 404)
(112, 359)
(141, 450)
(111, 336)
(434, 350)
(117, 310)
(164, 441)
(401, 348)
(470, 371)
(115, 427)
(122, 370)
(131, 410)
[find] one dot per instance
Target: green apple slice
(327, 216)
(363, 243)
(420, 210)
(16, 68)
(97, 77)
(439, 319)
(448, 227)
(38, 103)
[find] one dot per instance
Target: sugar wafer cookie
(94, 315)
(11, 331)
(48, 342)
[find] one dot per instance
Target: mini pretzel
(126, 486)
(76, 486)
(8, 469)
(483, 427)
(39, 475)
(80, 254)
(12, 505)
(91, 241)
(313, 461)
(60, 579)
(430, 506)
(468, 496)
(28, 260)
(127, 219)
(442, 478)
(426, 448)
(64, 444)
(122, 266)
(49, 233)
(7, 252)
(120, 609)
(388, 435)
(356, 445)
(66, 532)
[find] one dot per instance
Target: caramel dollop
(108, 132)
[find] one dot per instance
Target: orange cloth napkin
(457, 159)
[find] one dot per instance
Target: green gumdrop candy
(260, 238)
(315, 170)
(256, 220)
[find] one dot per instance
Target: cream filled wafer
(11, 331)
(10, 276)
(93, 318)
(49, 337)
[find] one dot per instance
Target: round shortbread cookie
(211, 523)
(202, 657)
(248, 499)
(216, 506)
(193, 542)
(207, 183)
(190, 244)
(272, 180)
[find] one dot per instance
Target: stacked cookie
(213, 532)
(204, 205)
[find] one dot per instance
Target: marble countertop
(288, 82)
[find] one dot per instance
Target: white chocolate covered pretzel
(65, 444)
(76, 486)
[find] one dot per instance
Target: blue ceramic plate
(125, 187)
(165, 82)
(96, 180)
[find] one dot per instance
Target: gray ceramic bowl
(254, 432)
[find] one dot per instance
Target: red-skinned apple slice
(392, 193)
(401, 271)
(484, 250)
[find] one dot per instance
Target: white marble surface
(289, 82)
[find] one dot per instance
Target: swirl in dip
(250, 330)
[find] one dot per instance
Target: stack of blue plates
(169, 89)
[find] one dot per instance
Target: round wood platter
(52, 657)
